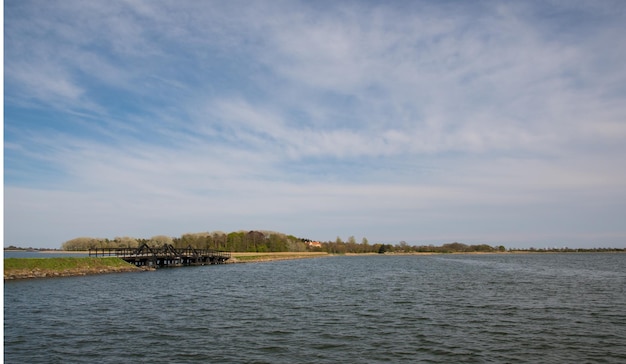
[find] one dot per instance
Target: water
(35, 254)
(549, 308)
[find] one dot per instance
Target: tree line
(267, 241)
(351, 246)
(270, 241)
(239, 241)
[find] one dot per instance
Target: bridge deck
(165, 256)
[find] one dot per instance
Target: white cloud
(49, 84)
(422, 119)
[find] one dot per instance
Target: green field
(16, 268)
(61, 264)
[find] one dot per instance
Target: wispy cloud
(421, 121)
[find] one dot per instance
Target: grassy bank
(263, 257)
(20, 268)
(17, 268)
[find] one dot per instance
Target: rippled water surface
(506, 308)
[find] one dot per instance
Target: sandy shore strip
(266, 257)
(63, 251)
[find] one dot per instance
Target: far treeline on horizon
(260, 241)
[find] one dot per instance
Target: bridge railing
(166, 250)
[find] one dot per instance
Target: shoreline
(19, 274)
(38, 272)
(28, 268)
(244, 257)
(236, 258)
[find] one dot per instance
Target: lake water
(505, 308)
(35, 254)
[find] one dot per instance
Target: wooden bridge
(165, 256)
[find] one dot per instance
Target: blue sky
(421, 121)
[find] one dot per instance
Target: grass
(62, 264)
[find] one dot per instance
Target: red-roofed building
(314, 244)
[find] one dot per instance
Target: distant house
(314, 244)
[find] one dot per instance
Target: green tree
(125, 242)
(366, 246)
(255, 241)
(351, 246)
(236, 241)
(220, 241)
(160, 240)
(454, 247)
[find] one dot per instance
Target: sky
(429, 122)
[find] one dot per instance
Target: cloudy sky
(495, 122)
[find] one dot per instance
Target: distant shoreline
(63, 251)
(47, 251)
(296, 255)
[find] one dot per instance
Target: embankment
(21, 268)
